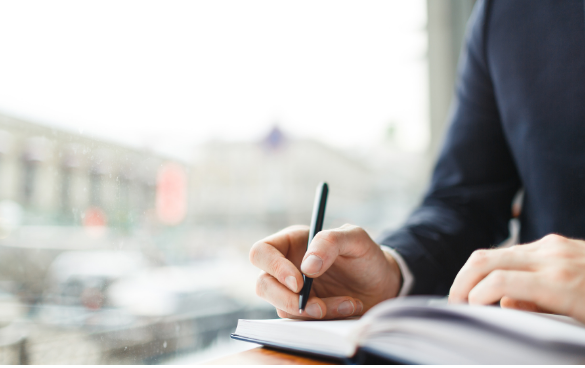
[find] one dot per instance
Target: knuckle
(478, 258)
(295, 228)
(275, 267)
(281, 314)
(290, 305)
(554, 238)
(497, 278)
(561, 275)
(326, 236)
(262, 285)
(255, 252)
(358, 230)
(473, 297)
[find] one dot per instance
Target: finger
(500, 283)
(283, 314)
(291, 242)
(547, 241)
(342, 307)
(327, 245)
(269, 289)
(511, 303)
(482, 262)
(534, 292)
(531, 287)
(268, 258)
(336, 307)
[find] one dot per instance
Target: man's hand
(351, 272)
(547, 275)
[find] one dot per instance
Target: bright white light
(170, 74)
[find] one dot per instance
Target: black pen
(316, 226)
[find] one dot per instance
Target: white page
(530, 324)
(327, 337)
(436, 341)
(527, 324)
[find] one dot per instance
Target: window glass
(145, 146)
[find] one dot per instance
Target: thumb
(327, 245)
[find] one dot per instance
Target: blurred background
(146, 145)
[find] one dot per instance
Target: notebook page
(436, 341)
(531, 326)
(440, 333)
(326, 337)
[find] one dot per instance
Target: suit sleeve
(467, 206)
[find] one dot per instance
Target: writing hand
(351, 273)
(547, 275)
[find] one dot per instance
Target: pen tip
(300, 311)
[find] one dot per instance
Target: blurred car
(81, 278)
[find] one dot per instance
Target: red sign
(171, 194)
(94, 217)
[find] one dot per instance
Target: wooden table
(268, 356)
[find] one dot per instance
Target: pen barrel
(318, 211)
(305, 292)
(316, 226)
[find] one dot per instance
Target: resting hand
(547, 275)
(351, 273)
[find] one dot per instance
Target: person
(518, 122)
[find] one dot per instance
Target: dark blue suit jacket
(518, 121)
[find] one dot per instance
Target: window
(119, 110)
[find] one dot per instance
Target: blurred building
(241, 192)
(78, 236)
(272, 181)
(57, 176)
(61, 191)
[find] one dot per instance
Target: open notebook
(429, 331)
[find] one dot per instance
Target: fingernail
(311, 265)
(291, 282)
(314, 310)
(346, 308)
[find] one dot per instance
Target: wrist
(395, 277)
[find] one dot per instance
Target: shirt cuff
(407, 278)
